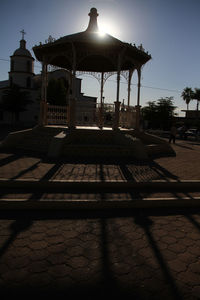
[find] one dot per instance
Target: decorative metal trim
(97, 75)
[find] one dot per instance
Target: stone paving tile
(16, 167)
(83, 172)
(33, 168)
(184, 165)
(143, 256)
(181, 167)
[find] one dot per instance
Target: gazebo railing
(107, 107)
(56, 115)
(86, 116)
(127, 117)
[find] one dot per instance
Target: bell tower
(21, 66)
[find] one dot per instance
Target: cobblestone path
(143, 256)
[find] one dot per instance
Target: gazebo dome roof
(93, 52)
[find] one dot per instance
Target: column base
(72, 113)
(43, 114)
(137, 125)
(116, 118)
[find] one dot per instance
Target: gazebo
(89, 51)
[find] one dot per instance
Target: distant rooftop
(4, 83)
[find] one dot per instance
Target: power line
(134, 84)
(144, 86)
(162, 89)
(7, 60)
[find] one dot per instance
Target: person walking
(173, 132)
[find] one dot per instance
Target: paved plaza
(139, 254)
(182, 167)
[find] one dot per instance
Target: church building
(22, 74)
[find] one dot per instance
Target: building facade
(22, 74)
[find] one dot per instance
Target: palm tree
(187, 95)
(196, 96)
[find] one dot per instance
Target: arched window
(28, 82)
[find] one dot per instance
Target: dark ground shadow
(109, 285)
(126, 167)
(16, 227)
(23, 172)
(38, 194)
(9, 159)
(146, 223)
(162, 172)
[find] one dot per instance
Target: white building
(22, 74)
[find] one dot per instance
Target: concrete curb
(98, 185)
(99, 205)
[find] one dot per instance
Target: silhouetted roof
(94, 52)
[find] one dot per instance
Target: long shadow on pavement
(146, 223)
(38, 195)
(23, 172)
(16, 227)
(108, 286)
(163, 173)
(9, 159)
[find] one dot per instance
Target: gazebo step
(37, 139)
(87, 143)
(102, 144)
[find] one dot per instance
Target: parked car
(192, 133)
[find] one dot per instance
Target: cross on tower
(23, 33)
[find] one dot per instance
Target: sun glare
(107, 27)
(101, 34)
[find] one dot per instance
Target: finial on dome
(92, 26)
(23, 33)
(93, 12)
(23, 42)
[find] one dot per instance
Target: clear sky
(168, 30)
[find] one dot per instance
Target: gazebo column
(68, 94)
(72, 106)
(72, 98)
(117, 102)
(43, 102)
(137, 107)
(101, 103)
(128, 111)
(129, 85)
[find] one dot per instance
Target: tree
(196, 96)
(160, 113)
(149, 114)
(56, 91)
(15, 101)
(187, 95)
